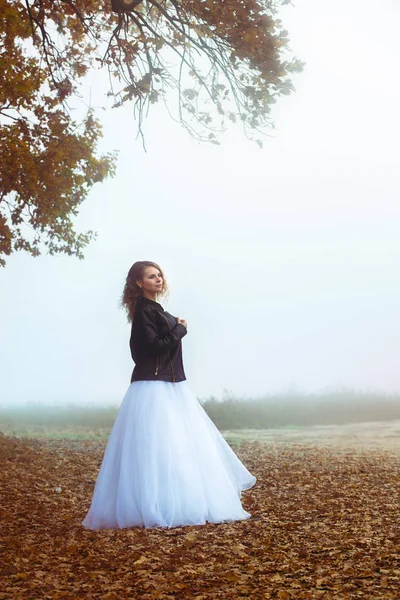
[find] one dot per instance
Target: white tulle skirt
(166, 464)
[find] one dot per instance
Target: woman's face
(152, 281)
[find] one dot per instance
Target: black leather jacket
(155, 343)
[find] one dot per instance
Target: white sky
(285, 261)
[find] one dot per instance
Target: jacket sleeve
(155, 343)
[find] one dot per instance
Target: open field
(373, 434)
(325, 524)
(338, 417)
(358, 436)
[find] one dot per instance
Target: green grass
(68, 433)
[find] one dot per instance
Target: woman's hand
(182, 321)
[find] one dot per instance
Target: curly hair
(132, 291)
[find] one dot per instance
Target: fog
(284, 261)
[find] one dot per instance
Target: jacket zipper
(169, 358)
(157, 364)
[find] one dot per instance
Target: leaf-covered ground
(325, 524)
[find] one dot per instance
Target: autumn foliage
(48, 161)
(211, 62)
(324, 525)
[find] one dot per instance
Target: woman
(166, 464)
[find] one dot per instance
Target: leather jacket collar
(150, 302)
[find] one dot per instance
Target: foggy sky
(284, 261)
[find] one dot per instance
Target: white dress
(166, 464)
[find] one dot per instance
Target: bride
(165, 464)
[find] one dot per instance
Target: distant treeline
(336, 408)
(229, 413)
